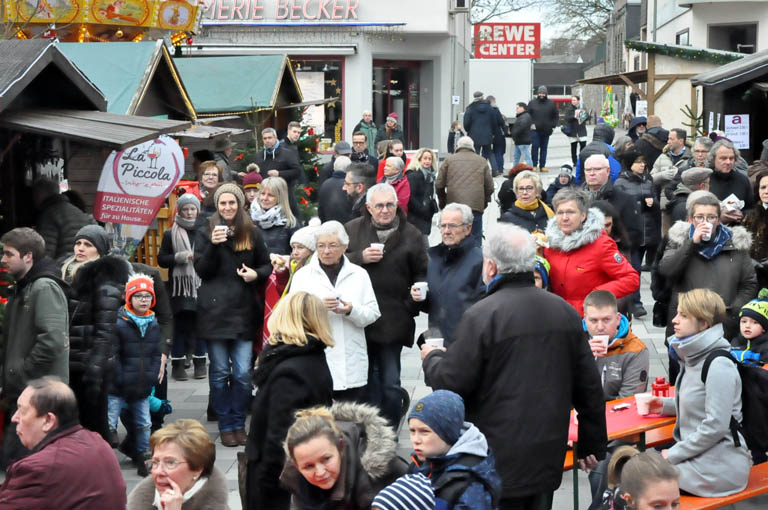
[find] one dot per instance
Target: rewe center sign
(507, 40)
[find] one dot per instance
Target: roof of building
(735, 73)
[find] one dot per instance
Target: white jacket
(348, 358)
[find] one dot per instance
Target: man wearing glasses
(392, 250)
(358, 179)
(454, 275)
(360, 153)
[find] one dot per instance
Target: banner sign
(508, 40)
(737, 130)
(136, 181)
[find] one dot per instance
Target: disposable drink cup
(378, 246)
(422, 288)
(603, 340)
(219, 228)
(643, 401)
(434, 342)
(708, 235)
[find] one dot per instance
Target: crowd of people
(302, 327)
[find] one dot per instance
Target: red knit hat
(252, 180)
(139, 283)
(393, 116)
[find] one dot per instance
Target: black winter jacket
(58, 223)
(482, 121)
(229, 308)
(521, 129)
(525, 219)
(578, 128)
(96, 297)
(734, 182)
(646, 229)
(544, 115)
(624, 205)
(397, 134)
(555, 187)
(288, 378)
(651, 144)
(287, 164)
(332, 201)
(166, 259)
(404, 263)
(422, 204)
(138, 359)
(491, 365)
(277, 238)
(163, 311)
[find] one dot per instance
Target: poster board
(737, 130)
(312, 86)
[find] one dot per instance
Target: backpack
(754, 403)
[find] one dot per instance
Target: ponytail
(309, 424)
(633, 471)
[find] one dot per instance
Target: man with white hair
(505, 365)
(597, 183)
(392, 251)
(465, 178)
(332, 201)
(454, 274)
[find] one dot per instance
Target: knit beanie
(252, 180)
(542, 266)
(392, 116)
(139, 282)
(229, 187)
(409, 492)
(443, 412)
(541, 90)
(306, 237)
(566, 169)
(757, 309)
(187, 199)
(97, 236)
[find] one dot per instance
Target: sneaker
(228, 439)
(535, 169)
(178, 372)
(542, 169)
(200, 370)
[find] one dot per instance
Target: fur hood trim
(590, 232)
(742, 238)
(212, 496)
(106, 269)
(379, 448)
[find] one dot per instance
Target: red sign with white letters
(508, 40)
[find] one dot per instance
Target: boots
(140, 461)
(178, 372)
(200, 371)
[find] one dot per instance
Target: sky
(531, 15)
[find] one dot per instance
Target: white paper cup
(643, 401)
(422, 288)
(434, 342)
(708, 235)
(219, 228)
(604, 340)
(378, 246)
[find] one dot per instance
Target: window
(741, 38)
(681, 39)
(322, 79)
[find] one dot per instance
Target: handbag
(566, 129)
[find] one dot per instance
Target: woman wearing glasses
(703, 253)
(183, 474)
(528, 211)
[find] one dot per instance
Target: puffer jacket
(624, 370)
(422, 205)
(368, 457)
(710, 464)
(521, 129)
(464, 178)
(544, 115)
(213, 495)
(278, 238)
(652, 143)
(602, 138)
(586, 260)
(469, 463)
(97, 296)
(664, 170)
(58, 224)
(729, 273)
(138, 359)
(645, 230)
(757, 346)
(381, 135)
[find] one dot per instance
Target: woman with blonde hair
(292, 374)
(528, 211)
(709, 451)
(271, 212)
(421, 174)
(340, 458)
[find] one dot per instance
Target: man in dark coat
(521, 135)
(332, 200)
(602, 138)
(70, 467)
(637, 127)
(454, 274)
(598, 184)
(496, 362)
(58, 220)
(277, 161)
(360, 152)
(341, 148)
(651, 143)
(359, 177)
(545, 118)
(393, 271)
(727, 180)
(482, 121)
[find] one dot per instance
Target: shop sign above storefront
(507, 40)
(280, 10)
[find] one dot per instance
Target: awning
(316, 102)
(738, 72)
(206, 132)
(616, 79)
(101, 128)
(238, 85)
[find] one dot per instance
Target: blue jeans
(184, 337)
(384, 379)
(498, 153)
(142, 422)
(477, 228)
(230, 381)
(522, 152)
(540, 144)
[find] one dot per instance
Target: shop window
(681, 39)
(322, 78)
(741, 38)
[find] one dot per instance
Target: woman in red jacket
(581, 255)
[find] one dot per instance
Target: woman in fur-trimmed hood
(581, 255)
(340, 457)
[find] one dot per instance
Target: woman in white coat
(346, 290)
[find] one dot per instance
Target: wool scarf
(533, 206)
(185, 279)
(272, 217)
(710, 249)
(141, 321)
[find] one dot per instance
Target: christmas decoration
(684, 52)
(608, 112)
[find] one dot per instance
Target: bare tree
(484, 10)
(579, 19)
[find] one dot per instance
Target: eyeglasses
(332, 246)
(388, 205)
(358, 143)
(351, 183)
(450, 226)
(526, 189)
(710, 218)
(143, 297)
(168, 464)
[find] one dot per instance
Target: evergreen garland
(687, 53)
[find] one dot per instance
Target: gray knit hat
(443, 412)
(229, 187)
(541, 90)
(97, 236)
(187, 199)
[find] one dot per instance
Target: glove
(182, 257)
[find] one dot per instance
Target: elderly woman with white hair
(528, 211)
(347, 293)
(394, 175)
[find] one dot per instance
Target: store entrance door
(396, 89)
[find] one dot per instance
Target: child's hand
(160, 376)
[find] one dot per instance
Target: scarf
(710, 249)
(384, 232)
(533, 206)
(186, 496)
(142, 321)
(429, 176)
(391, 179)
(185, 279)
(272, 217)
(271, 150)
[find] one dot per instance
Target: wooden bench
(653, 438)
(757, 485)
